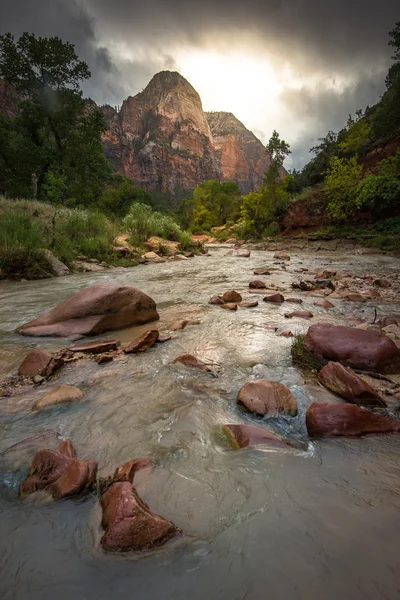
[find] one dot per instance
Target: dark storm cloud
(315, 37)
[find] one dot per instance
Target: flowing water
(316, 523)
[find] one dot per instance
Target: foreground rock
(59, 473)
(231, 296)
(96, 347)
(129, 523)
(142, 343)
(96, 309)
(267, 397)
(345, 383)
(246, 436)
(63, 394)
(191, 361)
(35, 363)
(353, 347)
(332, 419)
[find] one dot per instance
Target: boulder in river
(267, 397)
(282, 255)
(300, 314)
(347, 384)
(334, 419)
(129, 523)
(35, 363)
(96, 309)
(59, 473)
(63, 394)
(245, 436)
(96, 347)
(257, 284)
(191, 361)
(231, 296)
(353, 347)
(275, 298)
(142, 343)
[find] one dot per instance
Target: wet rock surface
(347, 384)
(142, 343)
(63, 394)
(248, 436)
(267, 397)
(331, 419)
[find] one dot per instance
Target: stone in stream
(59, 473)
(101, 359)
(191, 361)
(129, 523)
(326, 274)
(261, 272)
(275, 298)
(215, 300)
(241, 252)
(96, 347)
(63, 394)
(142, 343)
(282, 255)
(383, 283)
(231, 296)
(347, 384)
(176, 325)
(164, 338)
(300, 314)
(257, 284)
(334, 419)
(286, 334)
(96, 309)
(229, 306)
(35, 363)
(370, 350)
(247, 436)
(294, 300)
(152, 257)
(249, 304)
(324, 304)
(267, 397)
(127, 471)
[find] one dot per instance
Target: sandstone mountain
(164, 140)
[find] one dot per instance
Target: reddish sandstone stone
(245, 436)
(191, 361)
(344, 382)
(142, 343)
(35, 363)
(276, 298)
(265, 397)
(231, 296)
(333, 419)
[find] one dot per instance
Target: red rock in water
(215, 300)
(96, 347)
(35, 363)
(127, 471)
(354, 297)
(353, 347)
(96, 309)
(276, 298)
(176, 325)
(347, 384)
(231, 296)
(257, 284)
(104, 358)
(261, 272)
(265, 397)
(129, 523)
(324, 304)
(245, 436)
(142, 343)
(333, 419)
(191, 361)
(287, 334)
(164, 338)
(300, 314)
(59, 472)
(229, 306)
(249, 304)
(383, 283)
(281, 254)
(295, 300)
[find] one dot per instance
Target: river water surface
(318, 523)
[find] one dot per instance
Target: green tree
(357, 135)
(216, 203)
(341, 187)
(394, 42)
(61, 131)
(257, 212)
(277, 150)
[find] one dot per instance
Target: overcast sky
(298, 66)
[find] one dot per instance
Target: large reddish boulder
(353, 347)
(245, 436)
(333, 419)
(129, 523)
(231, 296)
(59, 473)
(265, 397)
(142, 343)
(96, 309)
(345, 383)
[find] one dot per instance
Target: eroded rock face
(332, 419)
(267, 397)
(370, 350)
(129, 523)
(245, 436)
(347, 384)
(96, 309)
(59, 473)
(142, 343)
(63, 394)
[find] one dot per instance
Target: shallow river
(317, 523)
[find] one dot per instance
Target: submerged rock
(300, 314)
(324, 304)
(333, 419)
(96, 309)
(176, 325)
(63, 394)
(191, 361)
(231, 296)
(345, 383)
(267, 397)
(142, 343)
(353, 347)
(129, 523)
(59, 473)
(245, 436)
(127, 471)
(249, 304)
(96, 347)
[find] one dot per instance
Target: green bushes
(142, 222)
